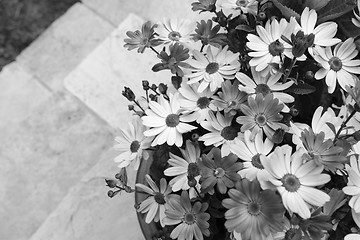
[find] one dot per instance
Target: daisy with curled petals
(211, 69)
(222, 132)
(353, 186)
(132, 143)
(339, 65)
(191, 218)
(250, 152)
(219, 171)
(154, 205)
(236, 7)
(296, 180)
(174, 30)
(266, 85)
(252, 212)
(229, 98)
(261, 114)
(323, 34)
(192, 100)
(181, 167)
(268, 46)
(166, 121)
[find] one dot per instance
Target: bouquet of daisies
(255, 136)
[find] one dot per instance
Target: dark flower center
(290, 182)
(134, 146)
(255, 160)
(212, 67)
(263, 89)
(172, 120)
(276, 48)
(159, 198)
(229, 133)
(260, 119)
(219, 172)
(189, 218)
(241, 3)
(203, 102)
(254, 208)
(174, 36)
(232, 103)
(193, 170)
(335, 63)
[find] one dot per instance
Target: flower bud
(301, 42)
(278, 136)
(129, 94)
(153, 87)
(146, 85)
(131, 107)
(111, 193)
(195, 137)
(294, 111)
(111, 183)
(309, 75)
(176, 81)
(163, 88)
(192, 181)
(356, 135)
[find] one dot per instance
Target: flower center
(276, 48)
(290, 182)
(254, 208)
(241, 3)
(193, 170)
(174, 36)
(229, 133)
(219, 172)
(263, 89)
(260, 119)
(255, 161)
(134, 146)
(203, 102)
(232, 103)
(172, 120)
(159, 198)
(189, 218)
(144, 41)
(212, 67)
(335, 63)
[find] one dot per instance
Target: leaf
(331, 126)
(302, 88)
(316, 5)
(286, 11)
(335, 9)
(245, 28)
(347, 27)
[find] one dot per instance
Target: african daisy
(236, 7)
(353, 186)
(174, 30)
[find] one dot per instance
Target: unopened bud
(356, 135)
(111, 193)
(153, 87)
(163, 88)
(153, 97)
(294, 111)
(110, 183)
(261, 15)
(176, 81)
(146, 85)
(131, 107)
(129, 94)
(128, 189)
(278, 136)
(192, 182)
(309, 75)
(301, 42)
(195, 137)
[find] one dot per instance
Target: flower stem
(137, 103)
(292, 64)
(154, 50)
(344, 125)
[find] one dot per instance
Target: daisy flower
(222, 132)
(154, 205)
(250, 152)
(338, 66)
(181, 167)
(323, 153)
(296, 180)
(211, 69)
(261, 114)
(356, 20)
(323, 34)
(353, 186)
(192, 100)
(268, 46)
(236, 7)
(132, 142)
(266, 85)
(175, 30)
(229, 98)
(252, 212)
(191, 219)
(219, 171)
(166, 123)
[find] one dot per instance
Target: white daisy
(265, 85)
(236, 7)
(296, 180)
(268, 46)
(222, 132)
(338, 66)
(175, 30)
(353, 186)
(356, 20)
(132, 142)
(250, 152)
(211, 69)
(192, 100)
(167, 122)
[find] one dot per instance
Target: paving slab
(64, 45)
(42, 156)
(88, 213)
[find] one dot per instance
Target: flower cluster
(259, 136)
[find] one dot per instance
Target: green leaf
(347, 27)
(245, 28)
(316, 5)
(302, 88)
(331, 126)
(335, 9)
(286, 11)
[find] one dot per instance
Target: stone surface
(115, 11)
(64, 45)
(88, 213)
(42, 156)
(99, 80)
